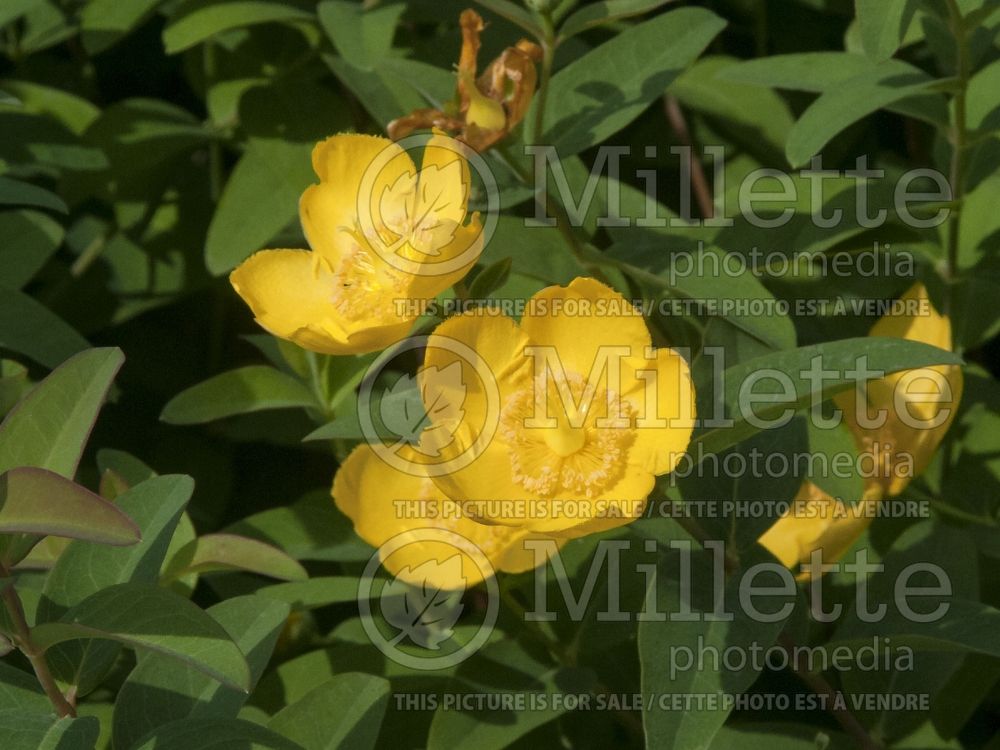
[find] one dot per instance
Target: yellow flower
(381, 234)
(817, 521)
(919, 406)
(384, 502)
(590, 412)
(488, 108)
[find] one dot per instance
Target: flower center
(364, 287)
(584, 452)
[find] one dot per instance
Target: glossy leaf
(152, 619)
(248, 389)
(49, 427)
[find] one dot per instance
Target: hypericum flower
(485, 109)
(919, 406)
(384, 502)
(381, 234)
(817, 521)
(589, 412)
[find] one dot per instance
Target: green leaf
(491, 278)
(801, 71)
(823, 71)
(213, 734)
(536, 252)
(344, 713)
(309, 529)
(84, 569)
(604, 12)
(314, 593)
(104, 22)
(36, 141)
(260, 199)
(633, 258)
(37, 501)
(125, 465)
(695, 727)
(983, 99)
(845, 103)
(515, 14)
(752, 114)
(248, 389)
(152, 619)
(20, 690)
(504, 668)
(227, 552)
(49, 427)
(161, 690)
(42, 731)
(197, 20)
(585, 107)
(883, 354)
(779, 736)
(14, 9)
(362, 35)
(838, 441)
(30, 238)
(30, 328)
(883, 25)
(16, 193)
(72, 111)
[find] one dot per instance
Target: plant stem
(548, 56)
(699, 183)
(818, 684)
(561, 217)
(22, 639)
(959, 143)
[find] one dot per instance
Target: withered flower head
(487, 108)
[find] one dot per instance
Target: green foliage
(148, 147)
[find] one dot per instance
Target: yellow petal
(486, 347)
(817, 521)
(355, 172)
(486, 487)
(291, 295)
(384, 502)
(444, 179)
(483, 112)
(581, 321)
(919, 404)
(659, 447)
(452, 263)
(621, 504)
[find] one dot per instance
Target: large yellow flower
(919, 406)
(589, 412)
(384, 502)
(381, 234)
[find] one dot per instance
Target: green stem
(562, 219)
(22, 639)
(317, 381)
(548, 56)
(959, 144)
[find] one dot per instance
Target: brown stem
(22, 639)
(820, 686)
(699, 183)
